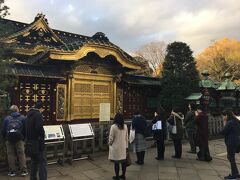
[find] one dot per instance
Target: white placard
(81, 130)
(104, 114)
(157, 126)
(53, 132)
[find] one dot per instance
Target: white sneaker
(11, 174)
(24, 173)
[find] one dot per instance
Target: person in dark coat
(35, 134)
(190, 127)
(159, 133)
(231, 132)
(201, 123)
(139, 124)
(176, 118)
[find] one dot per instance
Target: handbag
(128, 159)
(173, 128)
(131, 135)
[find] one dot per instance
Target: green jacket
(189, 120)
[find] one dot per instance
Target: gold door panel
(87, 94)
(101, 94)
(81, 100)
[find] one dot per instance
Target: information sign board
(81, 130)
(53, 132)
(104, 114)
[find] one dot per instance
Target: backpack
(14, 129)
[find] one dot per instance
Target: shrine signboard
(104, 110)
(81, 130)
(53, 132)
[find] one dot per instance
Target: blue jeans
(38, 163)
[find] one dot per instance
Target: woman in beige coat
(118, 143)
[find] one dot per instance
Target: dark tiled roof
(35, 71)
(72, 41)
(15, 27)
(142, 80)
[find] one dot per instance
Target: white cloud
(70, 9)
(131, 23)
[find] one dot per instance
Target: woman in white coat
(118, 143)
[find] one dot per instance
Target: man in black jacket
(231, 132)
(35, 141)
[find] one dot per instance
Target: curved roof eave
(100, 50)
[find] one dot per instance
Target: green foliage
(7, 75)
(5, 81)
(180, 77)
(3, 9)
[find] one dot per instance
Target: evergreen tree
(7, 78)
(180, 77)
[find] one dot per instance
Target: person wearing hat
(35, 142)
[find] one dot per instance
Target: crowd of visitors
(196, 126)
(18, 131)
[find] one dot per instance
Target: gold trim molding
(101, 51)
(76, 55)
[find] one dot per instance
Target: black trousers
(178, 147)
(204, 154)
(38, 163)
(140, 157)
(117, 167)
(231, 157)
(191, 135)
(160, 149)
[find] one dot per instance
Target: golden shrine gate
(72, 74)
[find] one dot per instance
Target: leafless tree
(155, 53)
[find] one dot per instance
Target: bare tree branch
(154, 53)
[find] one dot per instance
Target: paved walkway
(186, 168)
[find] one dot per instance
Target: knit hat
(39, 105)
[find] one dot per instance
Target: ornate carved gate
(87, 94)
(31, 92)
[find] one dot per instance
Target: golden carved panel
(82, 88)
(61, 102)
(87, 94)
(101, 88)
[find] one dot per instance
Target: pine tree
(180, 77)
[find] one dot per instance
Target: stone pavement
(187, 168)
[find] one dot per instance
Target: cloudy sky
(133, 23)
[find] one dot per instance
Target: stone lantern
(227, 91)
(208, 87)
